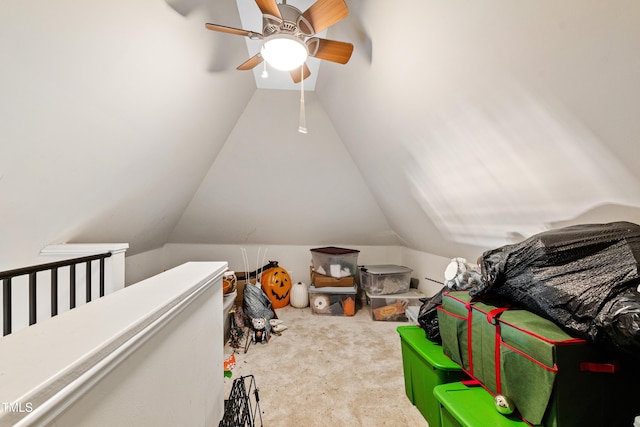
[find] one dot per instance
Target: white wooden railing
(68, 276)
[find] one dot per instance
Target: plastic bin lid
(471, 406)
(412, 293)
(332, 250)
(334, 290)
(385, 269)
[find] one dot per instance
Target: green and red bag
(552, 378)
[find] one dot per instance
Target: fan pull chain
(302, 127)
(264, 70)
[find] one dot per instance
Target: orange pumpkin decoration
(349, 306)
(276, 284)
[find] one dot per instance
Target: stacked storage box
(552, 378)
(425, 367)
(333, 289)
(388, 291)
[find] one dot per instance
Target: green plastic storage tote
(553, 379)
(462, 406)
(425, 366)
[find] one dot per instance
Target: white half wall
(148, 355)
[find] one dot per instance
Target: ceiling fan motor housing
(290, 36)
(292, 23)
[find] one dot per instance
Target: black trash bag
(620, 319)
(581, 277)
(428, 317)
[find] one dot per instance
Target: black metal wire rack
(243, 405)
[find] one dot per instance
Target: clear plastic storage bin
(335, 262)
(394, 307)
(385, 279)
(333, 301)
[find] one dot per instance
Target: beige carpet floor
(329, 371)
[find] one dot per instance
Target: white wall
(143, 265)
(294, 258)
(427, 268)
(272, 184)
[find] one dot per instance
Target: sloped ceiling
(110, 116)
(455, 127)
(477, 124)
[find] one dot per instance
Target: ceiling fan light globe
(284, 52)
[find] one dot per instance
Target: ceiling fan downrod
(302, 125)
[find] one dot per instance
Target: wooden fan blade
(231, 30)
(330, 50)
(324, 13)
(251, 63)
(269, 7)
(300, 73)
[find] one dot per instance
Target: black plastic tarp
(428, 317)
(583, 277)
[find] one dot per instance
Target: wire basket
(243, 404)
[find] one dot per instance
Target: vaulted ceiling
(455, 127)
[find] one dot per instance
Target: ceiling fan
(288, 36)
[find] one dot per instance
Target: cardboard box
(322, 281)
